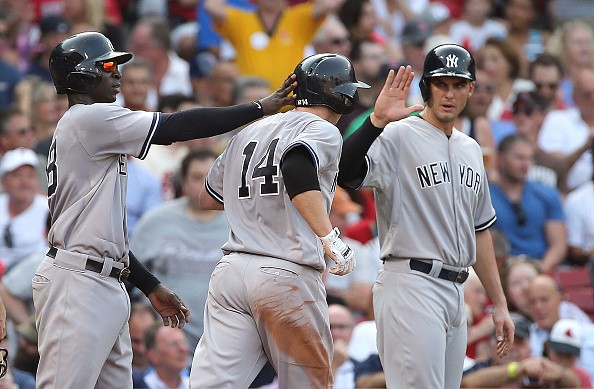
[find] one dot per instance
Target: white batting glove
(339, 252)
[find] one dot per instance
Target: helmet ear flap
(82, 82)
(424, 87)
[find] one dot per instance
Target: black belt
(119, 274)
(444, 274)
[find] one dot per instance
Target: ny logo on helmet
(452, 61)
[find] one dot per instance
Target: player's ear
(471, 89)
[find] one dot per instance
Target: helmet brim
(119, 57)
(349, 88)
(441, 73)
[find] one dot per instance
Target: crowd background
(532, 112)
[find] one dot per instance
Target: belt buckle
(460, 276)
(124, 274)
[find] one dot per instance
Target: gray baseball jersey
(87, 167)
(413, 169)
(247, 178)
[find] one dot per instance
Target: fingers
(389, 79)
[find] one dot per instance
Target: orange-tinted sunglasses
(110, 67)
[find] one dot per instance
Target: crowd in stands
(532, 113)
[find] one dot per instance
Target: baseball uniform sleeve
(105, 129)
(485, 214)
(382, 158)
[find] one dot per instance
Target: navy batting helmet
(329, 80)
(73, 62)
(447, 60)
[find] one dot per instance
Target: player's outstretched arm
(206, 122)
(169, 306)
(2, 320)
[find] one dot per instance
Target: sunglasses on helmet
(109, 67)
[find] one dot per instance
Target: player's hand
(391, 102)
(339, 252)
(281, 97)
(504, 330)
(169, 306)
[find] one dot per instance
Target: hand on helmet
(271, 104)
(339, 252)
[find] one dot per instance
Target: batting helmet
(73, 62)
(447, 60)
(329, 80)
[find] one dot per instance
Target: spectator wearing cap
(475, 26)
(413, 38)
(16, 131)
(529, 214)
(571, 132)
(564, 347)
(23, 210)
(439, 17)
(518, 369)
(53, 29)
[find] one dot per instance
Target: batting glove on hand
(339, 252)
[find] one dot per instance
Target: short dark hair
(150, 335)
(244, 82)
(509, 141)
(546, 59)
(197, 154)
(173, 101)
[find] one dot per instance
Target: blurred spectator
(517, 369)
(439, 17)
(16, 132)
(341, 326)
(54, 29)
(529, 41)
(184, 40)
(15, 285)
(167, 351)
(25, 361)
(573, 43)
(271, 39)
(247, 89)
(413, 38)
(482, 326)
(370, 63)
(332, 37)
(220, 84)
(45, 113)
(142, 316)
(97, 15)
(10, 75)
(579, 210)
(143, 193)
(150, 39)
(360, 19)
(501, 61)
(564, 347)
(544, 299)
(136, 84)
(394, 14)
(571, 131)
(355, 287)
(546, 72)
(181, 243)
(475, 26)
(516, 276)
(529, 214)
(22, 210)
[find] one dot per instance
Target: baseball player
(81, 304)
(276, 180)
(434, 211)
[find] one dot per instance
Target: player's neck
(445, 127)
(322, 111)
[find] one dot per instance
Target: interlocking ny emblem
(452, 61)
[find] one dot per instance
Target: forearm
(486, 268)
(353, 167)
(216, 9)
(556, 234)
(489, 377)
(310, 206)
(375, 380)
(16, 309)
(204, 122)
(140, 277)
